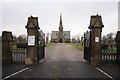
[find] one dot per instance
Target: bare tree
(109, 39)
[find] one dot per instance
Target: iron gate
(41, 46)
(87, 52)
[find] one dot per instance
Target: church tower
(61, 37)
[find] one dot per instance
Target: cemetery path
(62, 61)
(63, 52)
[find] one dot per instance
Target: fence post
(32, 43)
(7, 39)
(95, 27)
(118, 46)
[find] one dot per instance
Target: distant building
(60, 36)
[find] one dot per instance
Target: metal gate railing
(87, 52)
(18, 55)
(109, 56)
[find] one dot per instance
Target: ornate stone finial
(32, 22)
(31, 16)
(96, 22)
(7, 35)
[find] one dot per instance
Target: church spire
(60, 24)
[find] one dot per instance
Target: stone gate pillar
(32, 43)
(7, 40)
(118, 46)
(95, 27)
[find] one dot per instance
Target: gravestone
(32, 43)
(7, 40)
(95, 27)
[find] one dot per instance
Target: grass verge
(49, 44)
(79, 46)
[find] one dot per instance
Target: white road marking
(105, 73)
(15, 73)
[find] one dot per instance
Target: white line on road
(15, 73)
(105, 73)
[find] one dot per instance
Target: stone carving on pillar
(32, 37)
(95, 27)
(7, 40)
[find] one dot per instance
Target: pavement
(61, 61)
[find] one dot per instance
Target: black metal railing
(109, 56)
(19, 55)
(87, 53)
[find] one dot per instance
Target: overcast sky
(75, 16)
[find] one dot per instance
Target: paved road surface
(62, 61)
(63, 52)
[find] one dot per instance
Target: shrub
(104, 46)
(21, 45)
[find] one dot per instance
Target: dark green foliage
(21, 45)
(104, 46)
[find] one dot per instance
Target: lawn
(14, 47)
(79, 46)
(49, 44)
